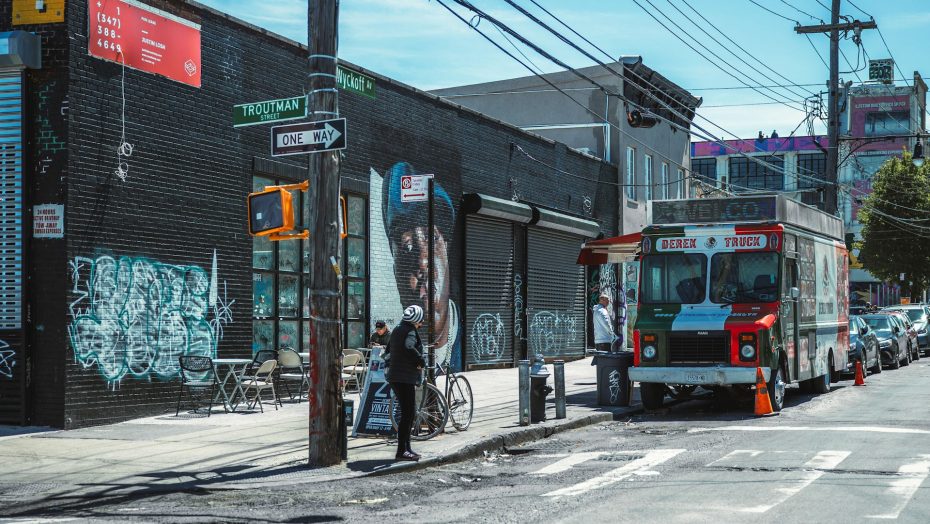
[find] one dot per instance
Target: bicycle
(435, 408)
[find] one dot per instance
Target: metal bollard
(524, 390)
(559, 367)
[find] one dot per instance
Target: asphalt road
(856, 454)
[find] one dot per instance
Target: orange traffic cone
(763, 404)
(860, 378)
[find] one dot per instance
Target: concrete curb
(500, 442)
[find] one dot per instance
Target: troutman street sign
(349, 80)
(269, 111)
(308, 137)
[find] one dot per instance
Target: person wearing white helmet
(404, 365)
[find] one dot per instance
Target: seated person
(381, 336)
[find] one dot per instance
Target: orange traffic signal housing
(271, 211)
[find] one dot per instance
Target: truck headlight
(649, 353)
(747, 346)
(747, 352)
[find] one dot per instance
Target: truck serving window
(674, 279)
(739, 278)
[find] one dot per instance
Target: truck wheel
(821, 384)
(776, 387)
(652, 395)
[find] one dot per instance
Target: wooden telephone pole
(833, 117)
(325, 394)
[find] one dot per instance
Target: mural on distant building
(134, 317)
(400, 229)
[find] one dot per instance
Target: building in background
(652, 162)
(878, 120)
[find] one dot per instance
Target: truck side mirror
(795, 293)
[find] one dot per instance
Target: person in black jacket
(404, 361)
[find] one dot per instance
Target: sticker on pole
(414, 188)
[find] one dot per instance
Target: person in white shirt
(603, 325)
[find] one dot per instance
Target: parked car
(913, 350)
(892, 340)
(863, 346)
(919, 315)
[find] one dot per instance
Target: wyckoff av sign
(308, 137)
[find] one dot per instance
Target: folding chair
(262, 379)
(352, 369)
(291, 369)
(197, 373)
(258, 359)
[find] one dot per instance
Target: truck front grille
(699, 347)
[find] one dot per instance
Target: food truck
(730, 285)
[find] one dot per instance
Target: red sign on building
(145, 38)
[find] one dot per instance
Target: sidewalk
(248, 449)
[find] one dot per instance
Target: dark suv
(863, 346)
(918, 314)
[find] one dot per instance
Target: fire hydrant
(539, 389)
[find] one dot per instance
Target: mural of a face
(411, 266)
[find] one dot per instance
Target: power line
(820, 56)
(860, 9)
(802, 12)
(774, 13)
(715, 64)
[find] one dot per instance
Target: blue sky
(420, 43)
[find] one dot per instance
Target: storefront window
(355, 264)
(288, 295)
(263, 295)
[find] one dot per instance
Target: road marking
(736, 452)
(904, 488)
(816, 467)
(652, 458)
(569, 462)
(862, 429)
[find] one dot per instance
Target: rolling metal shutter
(555, 295)
(488, 291)
(12, 370)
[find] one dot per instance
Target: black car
(892, 340)
(863, 346)
(918, 315)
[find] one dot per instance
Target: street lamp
(918, 156)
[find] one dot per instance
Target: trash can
(613, 378)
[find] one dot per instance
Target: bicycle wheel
(430, 416)
(461, 403)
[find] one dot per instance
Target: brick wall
(140, 253)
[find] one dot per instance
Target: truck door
(789, 314)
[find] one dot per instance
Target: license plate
(696, 378)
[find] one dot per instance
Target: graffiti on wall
(550, 331)
(133, 317)
(7, 360)
(487, 337)
(518, 306)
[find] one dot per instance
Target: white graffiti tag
(487, 336)
(518, 306)
(7, 360)
(614, 379)
(135, 317)
(552, 331)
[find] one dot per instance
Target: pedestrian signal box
(271, 212)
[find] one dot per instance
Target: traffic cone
(860, 378)
(763, 404)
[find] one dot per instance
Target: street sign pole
(431, 351)
(325, 398)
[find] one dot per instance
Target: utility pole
(833, 117)
(325, 397)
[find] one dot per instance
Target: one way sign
(308, 137)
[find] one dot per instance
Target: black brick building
(155, 260)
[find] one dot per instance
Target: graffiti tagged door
(555, 295)
(488, 291)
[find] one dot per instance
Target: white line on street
(815, 468)
(904, 488)
(863, 429)
(652, 458)
(737, 452)
(568, 462)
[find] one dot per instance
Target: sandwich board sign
(373, 416)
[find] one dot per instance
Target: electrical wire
(124, 149)
(802, 12)
(774, 13)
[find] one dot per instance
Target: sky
(420, 43)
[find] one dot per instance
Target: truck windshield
(745, 277)
(674, 279)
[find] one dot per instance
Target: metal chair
(258, 359)
(352, 368)
(262, 379)
(197, 373)
(291, 369)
